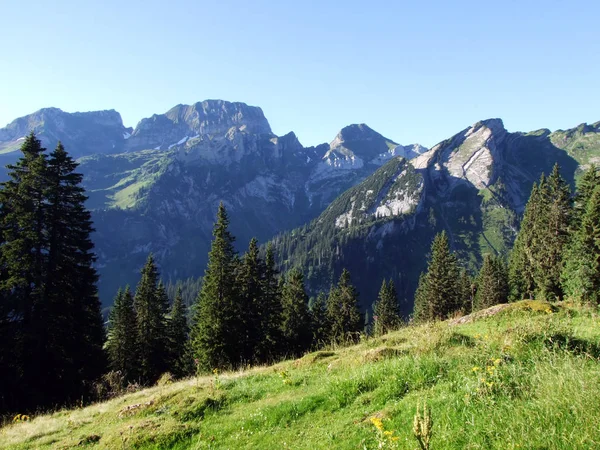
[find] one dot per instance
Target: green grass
(527, 376)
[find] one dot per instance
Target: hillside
(473, 185)
(523, 375)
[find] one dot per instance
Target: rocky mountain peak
(184, 122)
(358, 141)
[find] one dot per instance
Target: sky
(415, 71)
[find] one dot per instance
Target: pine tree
(386, 314)
(581, 275)
(70, 293)
(22, 211)
(178, 334)
(585, 188)
(121, 342)
(150, 309)
(48, 279)
(439, 292)
(342, 310)
(521, 271)
(296, 323)
(214, 340)
(269, 347)
(319, 323)
(467, 292)
(556, 229)
(250, 286)
(492, 283)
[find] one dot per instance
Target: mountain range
(362, 201)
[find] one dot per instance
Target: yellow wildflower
(377, 422)
(476, 368)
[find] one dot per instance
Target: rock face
(82, 133)
(189, 122)
(473, 185)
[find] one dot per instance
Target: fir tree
(70, 293)
(150, 309)
(214, 340)
(467, 290)
(585, 188)
(439, 293)
(22, 212)
(521, 272)
(250, 286)
(556, 229)
(342, 310)
(581, 275)
(270, 345)
(296, 323)
(178, 334)
(121, 342)
(492, 283)
(48, 279)
(319, 323)
(386, 315)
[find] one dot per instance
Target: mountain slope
(523, 375)
(474, 186)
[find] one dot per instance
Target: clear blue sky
(415, 71)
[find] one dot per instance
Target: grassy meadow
(518, 376)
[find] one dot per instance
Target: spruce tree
(250, 285)
(214, 340)
(296, 321)
(581, 275)
(521, 270)
(585, 188)
(467, 292)
(492, 283)
(178, 335)
(386, 314)
(48, 282)
(556, 229)
(121, 342)
(150, 309)
(22, 220)
(439, 292)
(270, 345)
(319, 322)
(70, 294)
(342, 310)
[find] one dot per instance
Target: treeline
(556, 255)
(246, 313)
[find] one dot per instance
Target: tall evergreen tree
(48, 282)
(250, 285)
(556, 230)
(492, 283)
(295, 323)
(521, 271)
(320, 324)
(269, 347)
(121, 342)
(581, 275)
(70, 291)
(150, 309)
(585, 188)
(386, 314)
(178, 335)
(439, 293)
(22, 211)
(467, 292)
(342, 310)
(214, 339)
